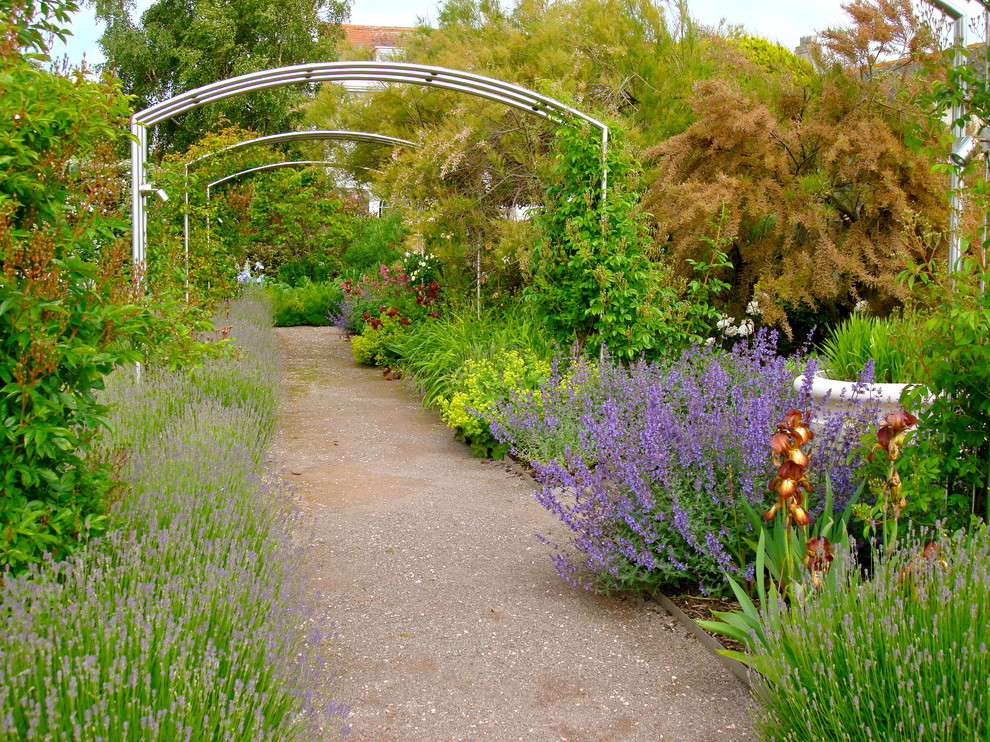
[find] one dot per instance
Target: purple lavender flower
(183, 622)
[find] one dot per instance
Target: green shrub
(422, 269)
(372, 346)
(305, 304)
(65, 309)
(477, 389)
(314, 268)
(592, 283)
(948, 459)
(376, 242)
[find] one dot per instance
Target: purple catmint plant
(648, 465)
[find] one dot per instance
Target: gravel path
(452, 624)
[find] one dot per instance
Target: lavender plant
(900, 656)
(186, 621)
(659, 458)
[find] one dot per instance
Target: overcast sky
(784, 21)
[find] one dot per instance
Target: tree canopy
(178, 45)
(811, 176)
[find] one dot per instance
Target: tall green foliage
(58, 331)
(68, 313)
(53, 126)
(592, 282)
(477, 160)
(293, 221)
(177, 46)
(297, 218)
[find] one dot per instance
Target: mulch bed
(699, 607)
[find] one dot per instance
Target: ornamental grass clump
(902, 656)
(662, 458)
(187, 621)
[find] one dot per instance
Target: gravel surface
(452, 625)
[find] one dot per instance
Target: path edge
(747, 677)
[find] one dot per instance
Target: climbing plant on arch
(289, 136)
(258, 169)
(385, 72)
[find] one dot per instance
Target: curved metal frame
(398, 72)
(272, 166)
(258, 169)
(291, 136)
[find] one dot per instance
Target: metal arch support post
(958, 17)
(398, 72)
(139, 146)
(604, 166)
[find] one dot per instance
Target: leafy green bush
(297, 223)
(592, 282)
(316, 267)
(57, 333)
(948, 458)
(477, 389)
(421, 269)
(305, 304)
(372, 346)
(376, 242)
(63, 317)
(899, 656)
(68, 310)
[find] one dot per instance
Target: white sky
(784, 21)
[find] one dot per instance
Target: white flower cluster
(245, 277)
(730, 329)
(862, 307)
(753, 308)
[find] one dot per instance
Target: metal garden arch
(397, 72)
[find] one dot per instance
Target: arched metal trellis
(387, 72)
(288, 136)
(271, 166)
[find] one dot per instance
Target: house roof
(375, 36)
